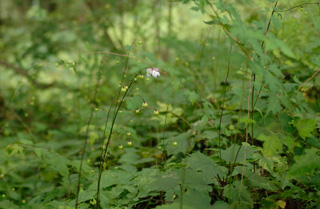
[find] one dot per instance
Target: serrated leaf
(233, 192)
(254, 179)
(274, 105)
(181, 143)
(271, 144)
(165, 181)
(304, 164)
(195, 199)
(195, 180)
(305, 127)
(202, 163)
(235, 153)
(284, 48)
(272, 82)
(192, 96)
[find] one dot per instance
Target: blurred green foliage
(232, 122)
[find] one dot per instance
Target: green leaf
(220, 205)
(271, 144)
(254, 179)
(305, 127)
(284, 48)
(234, 191)
(289, 142)
(235, 153)
(88, 45)
(305, 164)
(315, 142)
(195, 199)
(181, 143)
(165, 181)
(272, 82)
(192, 96)
(195, 180)
(246, 120)
(201, 163)
(15, 149)
(8, 204)
(273, 104)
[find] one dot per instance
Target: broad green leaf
(289, 142)
(305, 126)
(305, 164)
(192, 96)
(130, 157)
(273, 82)
(234, 191)
(274, 105)
(271, 144)
(202, 163)
(313, 141)
(195, 180)
(235, 153)
(165, 181)
(181, 143)
(196, 199)
(254, 179)
(246, 120)
(220, 205)
(8, 204)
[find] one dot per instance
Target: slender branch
(105, 129)
(87, 135)
(244, 50)
(309, 79)
(300, 5)
(123, 55)
(222, 109)
(269, 22)
(105, 151)
(254, 80)
(24, 73)
(245, 146)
